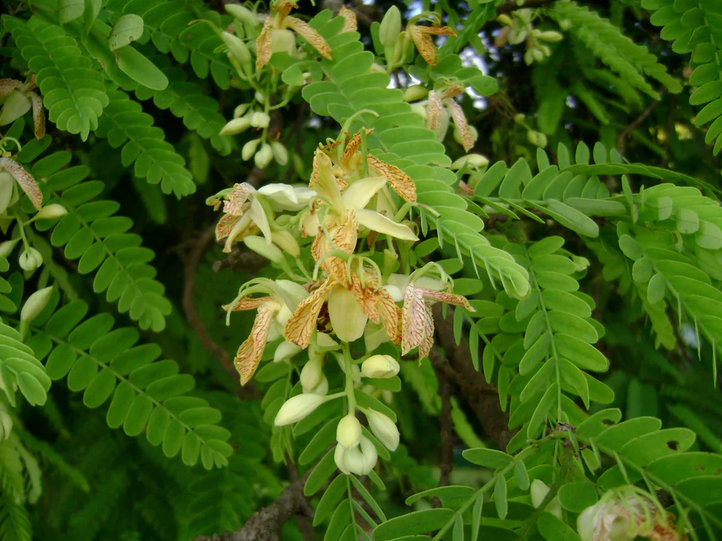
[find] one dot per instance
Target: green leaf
(69, 10)
(320, 474)
(136, 66)
(476, 516)
(553, 529)
(417, 522)
(319, 443)
(571, 218)
(577, 496)
(333, 494)
(542, 411)
(489, 458)
(502, 506)
(128, 28)
(580, 353)
(452, 496)
(521, 475)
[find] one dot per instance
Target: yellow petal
(263, 44)
(417, 323)
(316, 40)
(301, 324)
(360, 192)
(381, 224)
(25, 180)
(350, 24)
(324, 183)
(397, 179)
(250, 352)
(465, 135)
(347, 318)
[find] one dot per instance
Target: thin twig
(622, 139)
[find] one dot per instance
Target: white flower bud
(390, 27)
(264, 156)
(285, 351)
(362, 458)
(380, 366)
(237, 48)
(52, 211)
(240, 110)
(30, 259)
(249, 149)
(476, 161)
(322, 388)
(415, 93)
(261, 247)
(260, 120)
(283, 41)
(338, 456)
(6, 247)
(384, 429)
(35, 304)
(242, 14)
(311, 373)
(296, 408)
(236, 126)
(280, 154)
(551, 36)
(348, 431)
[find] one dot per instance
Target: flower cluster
(350, 206)
(518, 28)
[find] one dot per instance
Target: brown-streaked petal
(283, 9)
(448, 298)
(451, 91)
(344, 236)
(350, 24)
(365, 298)
(390, 315)
(263, 44)
(417, 323)
(236, 199)
(38, 115)
(301, 324)
(434, 111)
(225, 226)
(25, 179)
(250, 352)
(247, 303)
(8, 85)
(399, 181)
(465, 135)
(316, 40)
(424, 43)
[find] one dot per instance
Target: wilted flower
(624, 514)
(421, 35)
(276, 38)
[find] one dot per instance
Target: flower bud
(285, 351)
(30, 260)
(537, 138)
(260, 120)
(261, 247)
(415, 93)
(51, 211)
(286, 242)
(35, 304)
(296, 408)
(280, 154)
(419, 110)
(476, 161)
(237, 48)
(384, 429)
(538, 54)
(242, 14)
(283, 41)
(236, 126)
(322, 388)
(380, 366)
(503, 19)
(6, 247)
(338, 456)
(551, 36)
(390, 27)
(249, 149)
(264, 156)
(539, 491)
(240, 110)
(311, 373)
(348, 431)
(362, 458)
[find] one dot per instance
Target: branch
(267, 523)
(447, 434)
(457, 368)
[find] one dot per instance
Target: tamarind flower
(10, 169)
(273, 311)
(350, 306)
(19, 98)
(421, 36)
(622, 515)
(276, 36)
